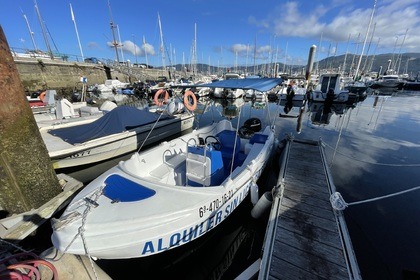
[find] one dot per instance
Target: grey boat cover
(120, 119)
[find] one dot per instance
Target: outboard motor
(253, 124)
(250, 126)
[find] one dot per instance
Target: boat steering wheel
(212, 140)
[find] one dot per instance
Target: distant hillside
(408, 64)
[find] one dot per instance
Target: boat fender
(42, 96)
(187, 103)
(262, 205)
(254, 193)
(157, 100)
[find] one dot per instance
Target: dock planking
(306, 238)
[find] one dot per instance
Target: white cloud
(336, 20)
(129, 47)
(261, 52)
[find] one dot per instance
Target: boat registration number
(81, 154)
(215, 204)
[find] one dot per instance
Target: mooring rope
(338, 203)
(153, 127)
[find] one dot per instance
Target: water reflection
(230, 107)
(320, 113)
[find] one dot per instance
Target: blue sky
(229, 32)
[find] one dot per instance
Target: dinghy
(166, 196)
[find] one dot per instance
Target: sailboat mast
(145, 51)
(255, 55)
(370, 43)
(162, 47)
(30, 31)
(285, 57)
(114, 43)
(399, 57)
(44, 33)
(119, 40)
(77, 33)
(317, 60)
(194, 52)
(345, 56)
(364, 43)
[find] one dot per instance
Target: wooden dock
(306, 238)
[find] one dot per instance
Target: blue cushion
(120, 189)
(227, 139)
(258, 138)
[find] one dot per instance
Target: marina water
(372, 148)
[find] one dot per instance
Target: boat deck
(306, 238)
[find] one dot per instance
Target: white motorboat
(330, 87)
(120, 131)
(166, 196)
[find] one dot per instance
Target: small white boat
(388, 81)
(118, 132)
(228, 93)
(255, 95)
(112, 90)
(166, 196)
(330, 87)
(292, 92)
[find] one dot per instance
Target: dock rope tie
(338, 203)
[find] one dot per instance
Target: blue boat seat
(227, 140)
(258, 138)
(204, 166)
(120, 189)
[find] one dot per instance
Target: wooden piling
(27, 178)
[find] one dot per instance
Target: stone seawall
(42, 74)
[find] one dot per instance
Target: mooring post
(27, 178)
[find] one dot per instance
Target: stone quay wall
(42, 74)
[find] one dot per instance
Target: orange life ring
(42, 96)
(187, 103)
(159, 102)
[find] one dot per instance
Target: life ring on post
(157, 100)
(187, 103)
(42, 96)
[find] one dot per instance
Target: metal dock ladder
(306, 238)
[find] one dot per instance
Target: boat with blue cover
(168, 195)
